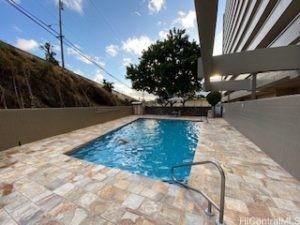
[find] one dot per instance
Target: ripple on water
(147, 147)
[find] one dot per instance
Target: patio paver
(39, 184)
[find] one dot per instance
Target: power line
(75, 48)
(32, 17)
(105, 20)
(55, 34)
(45, 9)
(111, 27)
(50, 13)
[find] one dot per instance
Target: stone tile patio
(39, 184)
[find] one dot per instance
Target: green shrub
(214, 98)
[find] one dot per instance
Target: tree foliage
(168, 68)
(214, 98)
(108, 85)
(49, 53)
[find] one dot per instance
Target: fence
(183, 111)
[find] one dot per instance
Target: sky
(111, 32)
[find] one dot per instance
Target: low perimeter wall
(27, 125)
(272, 124)
(184, 111)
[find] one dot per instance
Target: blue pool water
(147, 147)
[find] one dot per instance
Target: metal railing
(211, 203)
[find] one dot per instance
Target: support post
(253, 86)
(209, 211)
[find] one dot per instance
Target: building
(260, 70)
(250, 25)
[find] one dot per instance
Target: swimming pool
(148, 147)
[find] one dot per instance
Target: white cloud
(218, 44)
(112, 50)
(56, 47)
(18, 29)
(161, 23)
(155, 6)
(98, 77)
(186, 20)
(127, 61)
(27, 44)
(98, 60)
(78, 71)
(72, 52)
(76, 5)
(163, 34)
(133, 93)
(137, 13)
(137, 45)
(84, 57)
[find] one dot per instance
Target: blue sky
(112, 32)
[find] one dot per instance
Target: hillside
(27, 81)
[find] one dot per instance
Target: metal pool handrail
(211, 203)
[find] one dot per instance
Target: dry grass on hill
(27, 81)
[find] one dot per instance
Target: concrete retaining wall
(273, 124)
(184, 111)
(27, 125)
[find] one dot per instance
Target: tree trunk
(32, 104)
(22, 101)
(16, 90)
(213, 111)
(86, 97)
(75, 100)
(62, 104)
(3, 100)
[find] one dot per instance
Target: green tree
(108, 85)
(49, 53)
(162, 101)
(187, 97)
(168, 68)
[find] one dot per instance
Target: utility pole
(60, 8)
